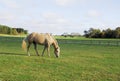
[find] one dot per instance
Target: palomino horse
(42, 39)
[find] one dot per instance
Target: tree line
(97, 33)
(12, 31)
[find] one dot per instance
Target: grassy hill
(77, 62)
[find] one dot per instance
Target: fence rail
(108, 42)
(93, 42)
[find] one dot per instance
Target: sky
(60, 16)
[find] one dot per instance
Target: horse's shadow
(17, 54)
(6, 53)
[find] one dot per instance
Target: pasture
(77, 62)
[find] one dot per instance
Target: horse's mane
(54, 39)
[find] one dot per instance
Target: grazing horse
(42, 39)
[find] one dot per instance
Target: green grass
(76, 63)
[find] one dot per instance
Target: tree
(86, 33)
(25, 31)
(108, 33)
(9, 30)
(14, 31)
(20, 30)
(117, 32)
(92, 33)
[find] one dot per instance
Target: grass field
(77, 62)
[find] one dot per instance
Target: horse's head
(57, 52)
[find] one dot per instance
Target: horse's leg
(35, 47)
(48, 50)
(43, 50)
(28, 49)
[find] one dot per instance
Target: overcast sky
(59, 16)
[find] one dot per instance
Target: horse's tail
(24, 43)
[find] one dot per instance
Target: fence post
(91, 42)
(99, 42)
(108, 43)
(117, 43)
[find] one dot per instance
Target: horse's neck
(55, 44)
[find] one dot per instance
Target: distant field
(78, 62)
(7, 35)
(89, 41)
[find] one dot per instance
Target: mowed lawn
(76, 63)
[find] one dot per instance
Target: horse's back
(40, 38)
